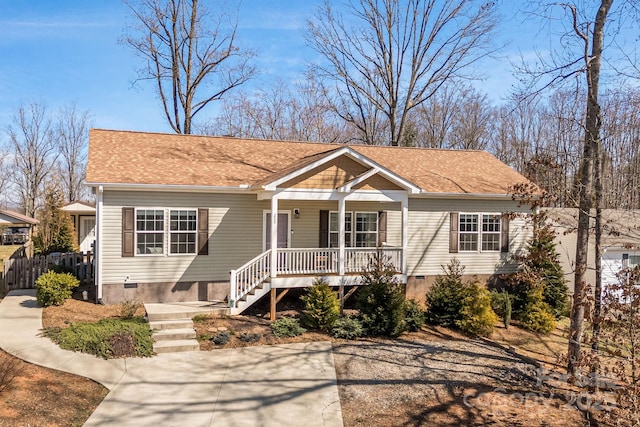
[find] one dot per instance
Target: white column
(341, 230)
(405, 232)
(97, 248)
(274, 236)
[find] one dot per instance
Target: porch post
(274, 236)
(341, 229)
(405, 232)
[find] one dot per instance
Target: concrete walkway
(283, 385)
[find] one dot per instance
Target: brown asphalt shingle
(126, 157)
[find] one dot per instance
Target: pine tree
(543, 259)
(55, 232)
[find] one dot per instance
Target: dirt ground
(432, 377)
(39, 397)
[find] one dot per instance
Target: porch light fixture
(296, 213)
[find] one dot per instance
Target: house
(15, 228)
(183, 217)
(620, 242)
(83, 215)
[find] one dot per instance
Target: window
(365, 234)
(149, 231)
(182, 231)
(488, 234)
(366, 229)
(333, 229)
(468, 232)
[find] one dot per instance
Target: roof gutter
(170, 187)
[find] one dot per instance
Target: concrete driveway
(280, 385)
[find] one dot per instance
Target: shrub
(321, 306)
(444, 299)
(539, 318)
(287, 327)
(54, 288)
(221, 338)
(247, 337)
(501, 305)
(414, 316)
(100, 338)
(128, 309)
(381, 301)
(348, 328)
(476, 315)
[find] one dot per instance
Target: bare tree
(33, 141)
(191, 55)
(387, 57)
(73, 140)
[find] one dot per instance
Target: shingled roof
(126, 157)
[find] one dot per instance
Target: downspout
(97, 256)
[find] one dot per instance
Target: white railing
(249, 276)
(307, 261)
(357, 259)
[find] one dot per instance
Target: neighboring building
(83, 215)
(620, 242)
(182, 217)
(15, 228)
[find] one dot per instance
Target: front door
(283, 230)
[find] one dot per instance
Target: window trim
(480, 233)
(166, 232)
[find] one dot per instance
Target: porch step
(161, 325)
(175, 346)
(174, 334)
(157, 312)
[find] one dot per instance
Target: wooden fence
(22, 272)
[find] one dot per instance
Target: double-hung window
(173, 229)
(182, 231)
(365, 234)
(149, 232)
(334, 225)
(479, 232)
(366, 229)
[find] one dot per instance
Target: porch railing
(357, 259)
(246, 278)
(307, 261)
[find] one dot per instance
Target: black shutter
(453, 232)
(504, 230)
(128, 231)
(382, 228)
(203, 231)
(324, 229)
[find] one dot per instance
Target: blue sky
(61, 51)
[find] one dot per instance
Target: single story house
(15, 228)
(620, 242)
(83, 215)
(185, 218)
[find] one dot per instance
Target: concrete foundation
(116, 293)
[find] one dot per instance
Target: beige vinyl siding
(235, 224)
(429, 237)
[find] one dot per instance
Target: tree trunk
(593, 123)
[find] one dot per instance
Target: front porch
(300, 267)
